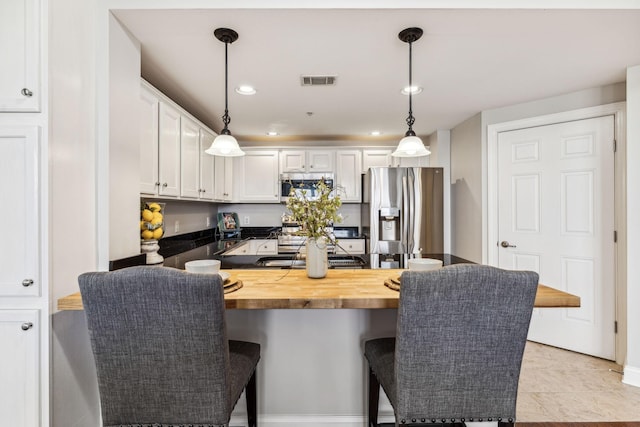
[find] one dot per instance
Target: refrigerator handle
(407, 209)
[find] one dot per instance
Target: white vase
(317, 262)
(151, 247)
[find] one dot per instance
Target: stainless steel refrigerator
(402, 214)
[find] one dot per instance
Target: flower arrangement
(151, 220)
(316, 211)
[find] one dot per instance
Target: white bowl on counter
(203, 266)
(424, 264)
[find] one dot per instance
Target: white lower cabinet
(20, 368)
(350, 246)
(255, 247)
(257, 178)
(348, 175)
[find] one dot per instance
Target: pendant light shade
(225, 144)
(410, 145)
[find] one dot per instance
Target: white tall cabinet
(24, 291)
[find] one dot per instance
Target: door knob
(506, 244)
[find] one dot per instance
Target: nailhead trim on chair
(170, 425)
(452, 420)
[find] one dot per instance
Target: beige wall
(466, 189)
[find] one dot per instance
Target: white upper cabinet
(169, 150)
(149, 183)
(207, 165)
(376, 158)
(307, 161)
(257, 179)
(20, 189)
(348, 175)
(414, 162)
(189, 158)
(223, 179)
(20, 72)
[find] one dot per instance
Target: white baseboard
(267, 420)
(631, 376)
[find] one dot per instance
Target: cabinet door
(292, 161)
(19, 368)
(189, 158)
(20, 53)
(376, 158)
(414, 162)
(19, 186)
(257, 177)
(320, 161)
(207, 165)
(223, 171)
(350, 246)
(348, 175)
(149, 143)
(169, 150)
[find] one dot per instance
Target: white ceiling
(467, 61)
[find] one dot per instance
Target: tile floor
(559, 385)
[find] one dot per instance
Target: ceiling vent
(318, 80)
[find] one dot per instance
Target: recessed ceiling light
(413, 89)
(273, 133)
(246, 90)
(375, 133)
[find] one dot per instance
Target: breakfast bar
(341, 288)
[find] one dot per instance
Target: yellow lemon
(157, 233)
(147, 234)
(157, 216)
(147, 215)
(156, 221)
(143, 225)
(154, 207)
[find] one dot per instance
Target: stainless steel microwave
(302, 182)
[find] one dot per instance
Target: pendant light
(410, 145)
(225, 144)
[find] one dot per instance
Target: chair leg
(374, 395)
(252, 407)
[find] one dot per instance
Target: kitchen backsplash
(182, 217)
(265, 215)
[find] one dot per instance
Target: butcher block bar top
(357, 288)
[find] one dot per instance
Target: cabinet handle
(26, 92)
(204, 190)
(27, 282)
(165, 185)
(26, 326)
(157, 184)
(311, 167)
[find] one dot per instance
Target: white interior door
(556, 217)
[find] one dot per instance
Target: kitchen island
(311, 331)
(341, 288)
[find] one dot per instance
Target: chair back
(160, 346)
(461, 335)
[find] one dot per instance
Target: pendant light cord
(226, 119)
(410, 119)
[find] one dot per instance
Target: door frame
(618, 110)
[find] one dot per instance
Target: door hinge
(615, 146)
(615, 326)
(615, 236)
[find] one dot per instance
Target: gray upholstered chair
(460, 336)
(161, 351)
